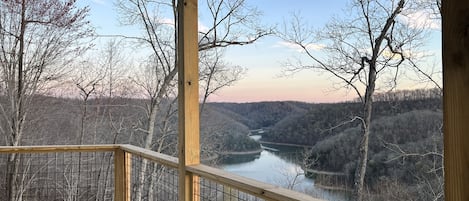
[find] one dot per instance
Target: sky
(265, 59)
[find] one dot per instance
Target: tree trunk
(18, 118)
(147, 145)
(13, 166)
(155, 178)
(360, 172)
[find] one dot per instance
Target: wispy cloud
(296, 47)
(421, 19)
(167, 21)
(203, 27)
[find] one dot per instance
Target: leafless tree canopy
(373, 31)
(371, 45)
(37, 40)
(216, 74)
(232, 22)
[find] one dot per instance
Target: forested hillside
(261, 114)
(120, 120)
(406, 141)
(405, 155)
(323, 120)
(405, 144)
(227, 125)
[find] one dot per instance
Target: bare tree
(232, 23)
(432, 5)
(87, 80)
(427, 15)
(37, 40)
(113, 60)
(292, 179)
(370, 47)
(430, 180)
(106, 82)
(216, 74)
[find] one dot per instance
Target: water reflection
(239, 159)
(278, 168)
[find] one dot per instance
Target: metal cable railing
(56, 176)
(210, 190)
(120, 173)
(153, 182)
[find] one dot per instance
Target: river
(277, 165)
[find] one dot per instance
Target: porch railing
(120, 173)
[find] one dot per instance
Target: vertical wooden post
(456, 98)
(122, 173)
(188, 97)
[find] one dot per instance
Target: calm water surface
(278, 168)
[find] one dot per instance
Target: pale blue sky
(264, 58)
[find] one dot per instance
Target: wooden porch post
(122, 171)
(188, 97)
(456, 98)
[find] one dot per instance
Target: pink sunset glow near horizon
(252, 96)
(266, 85)
(265, 58)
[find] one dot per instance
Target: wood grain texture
(188, 97)
(456, 98)
(122, 175)
(188, 76)
(156, 157)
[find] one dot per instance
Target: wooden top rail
(253, 187)
(58, 148)
(151, 155)
(134, 150)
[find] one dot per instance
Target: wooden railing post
(122, 173)
(188, 98)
